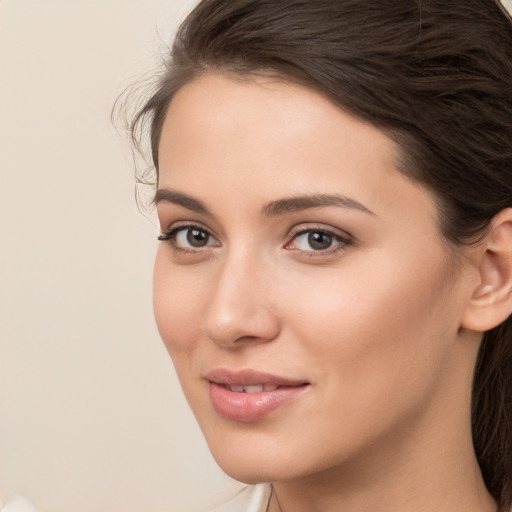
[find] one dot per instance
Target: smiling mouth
(251, 381)
(258, 388)
(249, 396)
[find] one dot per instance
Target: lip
(249, 378)
(249, 407)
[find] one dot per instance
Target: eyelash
(170, 237)
(343, 241)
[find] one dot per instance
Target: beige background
(92, 418)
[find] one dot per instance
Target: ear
(491, 300)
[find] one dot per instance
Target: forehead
(265, 138)
(287, 112)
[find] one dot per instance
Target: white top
(17, 503)
(253, 498)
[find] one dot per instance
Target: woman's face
(304, 292)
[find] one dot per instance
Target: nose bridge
(241, 304)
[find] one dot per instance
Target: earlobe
(491, 300)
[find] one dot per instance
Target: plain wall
(92, 417)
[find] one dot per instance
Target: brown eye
(189, 238)
(196, 237)
(315, 240)
(319, 241)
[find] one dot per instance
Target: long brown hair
(435, 75)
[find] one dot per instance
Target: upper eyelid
(170, 236)
(178, 225)
(343, 240)
(176, 229)
(293, 232)
(298, 230)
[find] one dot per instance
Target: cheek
(386, 325)
(176, 303)
(374, 347)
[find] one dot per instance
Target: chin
(262, 472)
(250, 461)
(262, 460)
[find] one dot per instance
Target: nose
(241, 310)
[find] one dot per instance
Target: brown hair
(435, 75)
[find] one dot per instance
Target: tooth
(237, 389)
(269, 387)
(253, 389)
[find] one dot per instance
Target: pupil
(319, 241)
(197, 238)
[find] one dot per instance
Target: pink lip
(247, 407)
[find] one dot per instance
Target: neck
(413, 484)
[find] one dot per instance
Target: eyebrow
(274, 208)
(188, 202)
(300, 203)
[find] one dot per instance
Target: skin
(373, 323)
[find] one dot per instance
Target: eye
(318, 240)
(188, 238)
(193, 237)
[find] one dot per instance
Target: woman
(334, 282)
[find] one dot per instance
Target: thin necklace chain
(274, 494)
